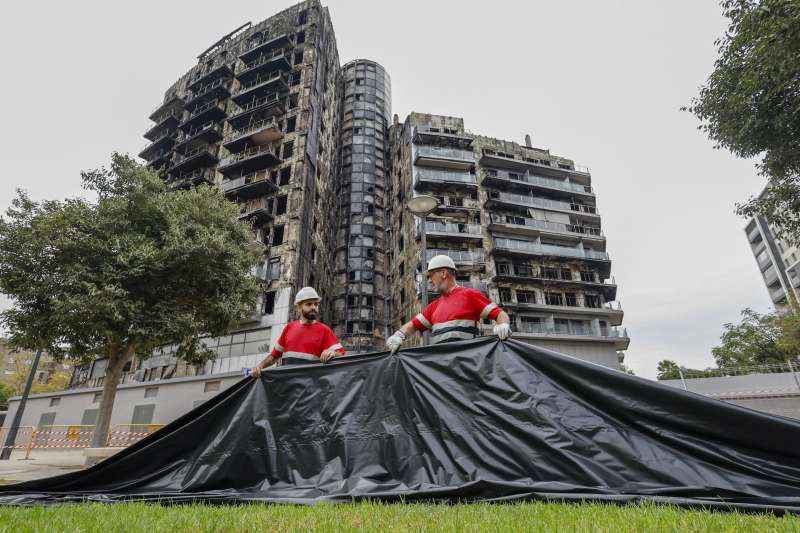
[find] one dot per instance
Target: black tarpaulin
(472, 420)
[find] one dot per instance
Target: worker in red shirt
(306, 339)
(456, 313)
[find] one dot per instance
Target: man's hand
(256, 372)
(394, 342)
(327, 355)
(503, 331)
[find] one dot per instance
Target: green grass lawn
(384, 517)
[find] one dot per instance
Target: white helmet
(306, 293)
(441, 261)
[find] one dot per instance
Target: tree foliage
(757, 340)
(750, 103)
(137, 268)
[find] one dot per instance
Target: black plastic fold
(472, 420)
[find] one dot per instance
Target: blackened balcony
(261, 85)
(442, 137)
(541, 165)
(433, 178)
(554, 277)
(207, 133)
(528, 248)
(215, 90)
(164, 141)
(160, 159)
(173, 103)
(249, 186)
(199, 157)
(260, 132)
(571, 303)
(191, 178)
(258, 215)
(443, 157)
(167, 120)
(464, 258)
(532, 226)
(250, 160)
(221, 70)
(271, 61)
(208, 112)
(258, 109)
(526, 181)
(451, 230)
(526, 201)
(264, 45)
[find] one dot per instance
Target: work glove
(394, 342)
(503, 331)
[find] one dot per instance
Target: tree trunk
(116, 362)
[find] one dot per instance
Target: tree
(750, 103)
(17, 375)
(668, 369)
(5, 394)
(756, 340)
(114, 277)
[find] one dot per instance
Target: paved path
(43, 463)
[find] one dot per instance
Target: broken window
(553, 298)
(291, 123)
(280, 205)
(592, 300)
(301, 37)
(269, 302)
(288, 149)
(526, 297)
(298, 57)
(285, 174)
(505, 295)
(277, 235)
(571, 299)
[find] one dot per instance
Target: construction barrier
(71, 436)
(24, 434)
(119, 437)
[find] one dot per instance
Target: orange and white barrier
(71, 436)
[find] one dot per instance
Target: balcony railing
(546, 203)
(260, 179)
(207, 88)
(546, 225)
(458, 256)
(436, 152)
(453, 228)
(254, 104)
(261, 79)
(203, 108)
(443, 176)
(532, 179)
(253, 151)
(269, 123)
(578, 302)
(211, 125)
(544, 329)
(548, 249)
(172, 134)
(199, 151)
(261, 60)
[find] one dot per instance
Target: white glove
(503, 331)
(394, 342)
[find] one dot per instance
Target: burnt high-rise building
(321, 169)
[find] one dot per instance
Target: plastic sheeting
(472, 420)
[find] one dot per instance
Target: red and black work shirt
(306, 341)
(455, 315)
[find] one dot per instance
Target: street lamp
(422, 206)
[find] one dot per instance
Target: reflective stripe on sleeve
(423, 320)
(488, 309)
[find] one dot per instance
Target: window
(151, 392)
(277, 235)
(285, 174)
(531, 324)
(298, 57)
(295, 78)
(301, 37)
(571, 299)
(274, 271)
(588, 276)
(592, 300)
(402, 268)
(400, 243)
(143, 414)
(269, 302)
(402, 296)
(505, 294)
(55, 401)
(526, 297)
(280, 205)
(288, 149)
(553, 298)
(211, 386)
(293, 100)
(291, 124)
(303, 18)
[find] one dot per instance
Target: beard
(311, 315)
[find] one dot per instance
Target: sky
(598, 82)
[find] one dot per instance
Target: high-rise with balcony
(308, 150)
(258, 116)
(778, 261)
(521, 225)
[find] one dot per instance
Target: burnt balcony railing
(275, 81)
(546, 225)
(515, 245)
(250, 159)
(538, 181)
(266, 106)
(166, 120)
(275, 60)
(215, 89)
(249, 186)
(258, 132)
(545, 203)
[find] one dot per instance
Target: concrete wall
(777, 394)
(173, 398)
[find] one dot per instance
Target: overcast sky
(598, 82)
